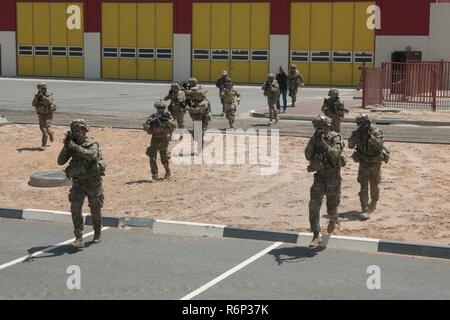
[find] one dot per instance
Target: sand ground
(414, 205)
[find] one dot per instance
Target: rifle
(158, 119)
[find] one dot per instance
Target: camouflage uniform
(43, 102)
(272, 92)
(201, 108)
(334, 109)
(161, 130)
(295, 80)
(325, 152)
(230, 98)
(369, 153)
(86, 168)
(177, 106)
(221, 84)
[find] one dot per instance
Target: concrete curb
(212, 230)
(385, 121)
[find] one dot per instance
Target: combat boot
(331, 226)
(168, 173)
(315, 241)
(372, 206)
(97, 236)
(155, 177)
(78, 243)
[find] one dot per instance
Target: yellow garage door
(232, 37)
(321, 36)
(46, 46)
(137, 41)
(342, 43)
(364, 40)
(300, 37)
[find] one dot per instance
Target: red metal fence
(408, 85)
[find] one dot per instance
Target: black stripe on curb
(11, 213)
(242, 233)
(113, 222)
(414, 249)
(138, 222)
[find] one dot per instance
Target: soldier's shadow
(352, 216)
(28, 149)
(138, 182)
(56, 252)
(295, 254)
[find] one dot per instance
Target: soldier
(272, 92)
(43, 102)
(230, 98)
(325, 154)
(200, 109)
(295, 80)
(177, 106)
(221, 84)
(86, 168)
(334, 109)
(160, 125)
(369, 153)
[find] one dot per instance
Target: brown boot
(97, 236)
(78, 243)
(331, 226)
(315, 241)
(168, 174)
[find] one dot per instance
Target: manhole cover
(49, 179)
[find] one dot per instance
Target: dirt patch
(414, 205)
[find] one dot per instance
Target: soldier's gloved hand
(323, 143)
(67, 139)
(71, 145)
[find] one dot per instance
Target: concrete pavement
(138, 264)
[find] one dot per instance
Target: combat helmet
(159, 104)
(270, 76)
(174, 86)
(79, 123)
(41, 85)
(321, 121)
(293, 66)
(193, 80)
(334, 90)
(362, 119)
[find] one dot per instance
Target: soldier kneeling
(160, 125)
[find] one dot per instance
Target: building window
(109, 52)
(200, 54)
(260, 55)
(219, 54)
(239, 55)
(363, 56)
(128, 53)
(146, 53)
(163, 53)
(342, 57)
(320, 56)
(75, 51)
(58, 51)
(299, 56)
(25, 50)
(41, 50)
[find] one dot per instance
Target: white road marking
(231, 271)
(11, 263)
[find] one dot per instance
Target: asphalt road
(138, 264)
(124, 98)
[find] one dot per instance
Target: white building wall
(385, 45)
(8, 53)
(279, 52)
(440, 31)
(92, 55)
(181, 56)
